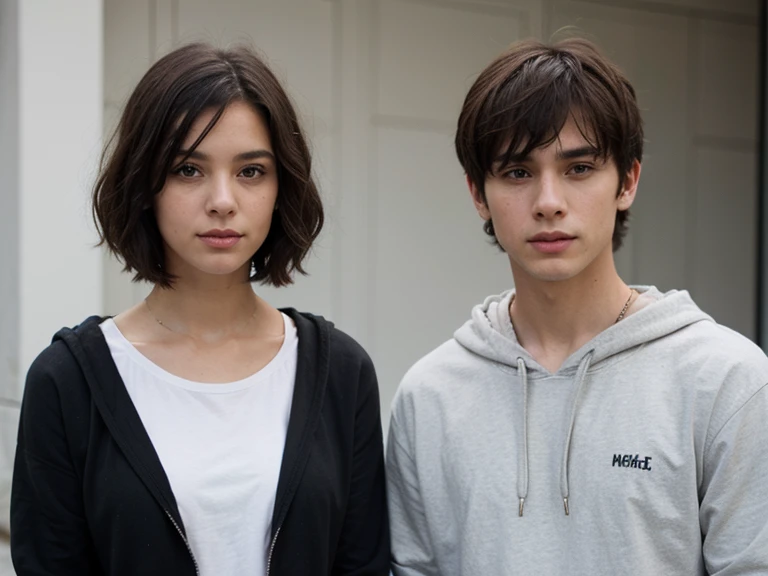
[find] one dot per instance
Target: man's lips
(551, 242)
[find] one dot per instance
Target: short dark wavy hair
(145, 145)
(521, 101)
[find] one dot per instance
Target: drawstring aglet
(520, 509)
(565, 504)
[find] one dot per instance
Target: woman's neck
(210, 311)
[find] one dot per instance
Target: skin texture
(215, 328)
(568, 294)
(216, 189)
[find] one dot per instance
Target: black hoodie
(90, 496)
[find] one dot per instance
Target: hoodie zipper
(186, 542)
(272, 549)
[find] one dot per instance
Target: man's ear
(477, 199)
(629, 189)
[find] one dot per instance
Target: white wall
(50, 108)
(9, 261)
(380, 84)
(9, 182)
(60, 95)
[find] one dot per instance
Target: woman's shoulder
(64, 349)
(319, 329)
(55, 378)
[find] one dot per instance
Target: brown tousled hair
(521, 101)
(149, 136)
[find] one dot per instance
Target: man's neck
(554, 319)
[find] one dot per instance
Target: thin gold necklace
(164, 325)
(626, 306)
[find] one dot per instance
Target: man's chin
(552, 272)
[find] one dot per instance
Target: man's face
(554, 212)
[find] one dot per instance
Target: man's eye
(517, 173)
(581, 169)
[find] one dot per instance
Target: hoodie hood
(489, 332)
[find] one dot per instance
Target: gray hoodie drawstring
(581, 378)
(522, 472)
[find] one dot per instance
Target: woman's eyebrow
(250, 155)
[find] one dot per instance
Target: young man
(575, 425)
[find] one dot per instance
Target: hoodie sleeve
(734, 492)
(49, 532)
(412, 553)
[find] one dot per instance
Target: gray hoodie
(645, 453)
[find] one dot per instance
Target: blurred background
(379, 83)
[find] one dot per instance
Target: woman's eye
(187, 171)
(252, 172)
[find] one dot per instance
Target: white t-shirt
(221, 446)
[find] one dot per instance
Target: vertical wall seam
(761, 260)
(337, 79)
(152, 7)
(174, 22)
(373, 172)
(691, 212)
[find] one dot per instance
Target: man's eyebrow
(250, 155)
(504, 159)
(582, 152)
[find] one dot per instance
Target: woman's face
(216, 207)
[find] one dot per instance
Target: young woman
(203, 431)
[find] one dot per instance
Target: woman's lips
(220, 241)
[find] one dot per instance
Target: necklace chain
(626, 306)
(164, 325)
(156, 319)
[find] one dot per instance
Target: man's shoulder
(443, 361)
(721, 343)
(722, 365)
(442, 377)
